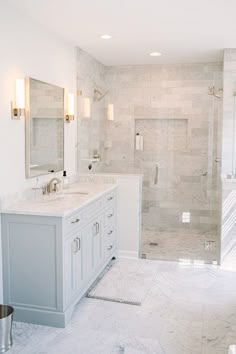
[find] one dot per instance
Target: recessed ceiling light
(155, 54)
(105, 36)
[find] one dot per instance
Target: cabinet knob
(110, 232)
(75, 221)
(109, 198)
(110, 215)
(109, 248)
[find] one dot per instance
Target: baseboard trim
(128, 254)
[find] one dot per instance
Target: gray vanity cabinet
(32, 266)
(50, 262)
(73, 266)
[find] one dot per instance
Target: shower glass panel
(180, 165)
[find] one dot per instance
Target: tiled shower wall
(90, 75)
(181, 124)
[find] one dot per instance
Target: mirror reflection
(44, 128)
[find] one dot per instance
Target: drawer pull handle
(110, 215)
(96, 228)
(109, 248)
(75, 221)
(78, 243)
(110, 232)
(110, 198)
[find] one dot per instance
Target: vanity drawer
(109, 233)
(109, 200)
(109, 247)
(74, 222)
(94, 209)
(109, 217)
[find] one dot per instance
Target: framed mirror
(44, 128)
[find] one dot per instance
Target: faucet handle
(42, 188)
(56, 186)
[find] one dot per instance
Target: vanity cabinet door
(87, 252)
(97, 255)
(73, 266)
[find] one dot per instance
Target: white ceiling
(183, 30)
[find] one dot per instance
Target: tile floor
(172, 245)
(188, 310)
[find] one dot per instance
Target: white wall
(26, 49)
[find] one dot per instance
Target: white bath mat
(127, 281)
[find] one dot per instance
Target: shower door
(179, 213)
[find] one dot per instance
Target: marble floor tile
(188, 310)
(172, 245)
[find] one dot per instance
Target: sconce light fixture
(110, 111)
(70, 115)
(18, 107)
(86, 107)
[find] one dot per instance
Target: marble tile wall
(173, 100)
(47, 116)
(169, 104)
(46, 101)
(90, 75)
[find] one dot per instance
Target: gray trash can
(6, 317)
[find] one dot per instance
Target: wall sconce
(86, 107)
(70, 108)
(110, 111)
(18, 108)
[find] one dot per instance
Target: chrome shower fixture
(98, 95)
(216, 93)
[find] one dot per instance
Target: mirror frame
(27, 128)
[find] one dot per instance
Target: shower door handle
(156, 174)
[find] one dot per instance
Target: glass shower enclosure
(180, 163)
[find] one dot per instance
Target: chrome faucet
(52, 185)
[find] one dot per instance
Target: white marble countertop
(62, 203)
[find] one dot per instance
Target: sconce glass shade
(86, 107)
(20, 93)
(110, 111)
(18, 107)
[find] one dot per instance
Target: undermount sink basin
(51, 199)
(75, 192)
